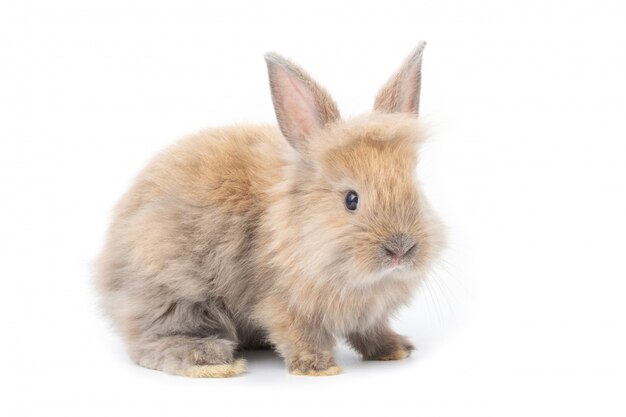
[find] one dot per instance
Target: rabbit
(283, 237)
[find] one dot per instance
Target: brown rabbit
(254, 236)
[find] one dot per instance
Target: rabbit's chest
(363, 310)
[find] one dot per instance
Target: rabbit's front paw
(381, 345)
(395, 350)
(399, 353)
(313, 364)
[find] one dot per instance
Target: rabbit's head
(353, 206)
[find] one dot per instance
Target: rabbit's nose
(399, 245)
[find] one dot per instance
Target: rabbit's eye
(352, 200)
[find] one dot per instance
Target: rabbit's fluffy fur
(240, 237)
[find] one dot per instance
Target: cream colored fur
(239, 237)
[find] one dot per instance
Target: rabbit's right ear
(302, 107)
(401, 94)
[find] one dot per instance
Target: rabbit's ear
(302, 107)
(401, 94)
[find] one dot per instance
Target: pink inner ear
(409, 90)
(297, 114)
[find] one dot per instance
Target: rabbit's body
(182, 236)
(236, 238)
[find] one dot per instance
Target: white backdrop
(525, 101)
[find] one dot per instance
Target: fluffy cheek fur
(356, 256)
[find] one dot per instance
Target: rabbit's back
(185, 229)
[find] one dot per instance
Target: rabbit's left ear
(401, 94)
